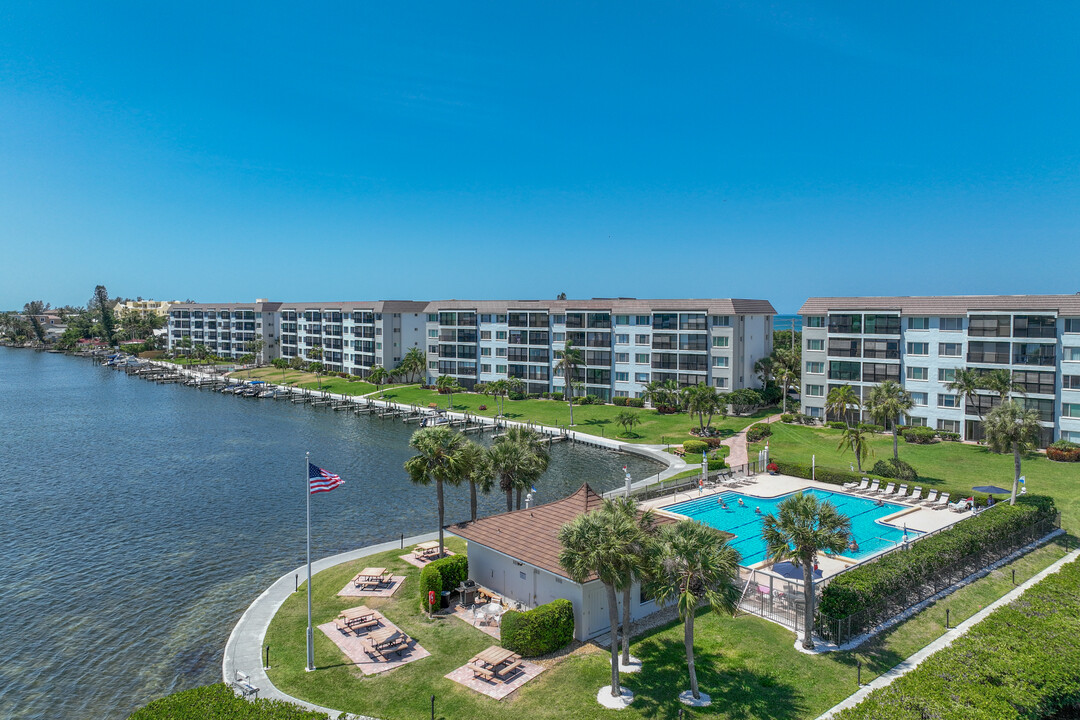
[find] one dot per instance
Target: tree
(693, 563)
(103, 307)
(591, 547)
(535, 457)
(499, 388)
(438, 460)
(802, 528)
(280, 364)
(1010, 426)
(449, 385)
(185, 345)
(477, 469)
(628, 420)
(704, 401)
(764, 369)
(1000, 381)
(886, 403)
(966, 383)
(378, 376)
(414, 364)
(839, 400)
(201, 353)
(255, 347)
(508, 461)
(33, 311)
(296, 363)
(568, 365)
(744, 400)
(315, 354)
(247, 359)
(855, 439)
(789, 378)
(663, 394)
(636, 565)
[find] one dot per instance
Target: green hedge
(1022, 661)
(219, 702)
(538, 631)
(716, 464)
(443, 574)
(868, 584)
(758, 432)
(695, 446)
(825, 475)
(920, 435)
(430, 579)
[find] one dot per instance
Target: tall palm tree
(692, 563)
(438, 460)
(1011, 427)
(315, 354)
(499, 388)
(449, 385)
(887, 402)
(839, 400)
(568, 364)
(764, 369)
(378, 376)
(255, 347)
(966, 384)
(702, 400)
(856, 439)
(789, 378)
(477, 471)
(413, 364)
(595, 545)
(1000, 381)
(802, 528)
(534, 457)
(636, 561)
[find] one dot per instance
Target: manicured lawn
(339, 385)
(950, 466)
(654, 428)
(748, 665)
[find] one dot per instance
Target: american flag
(320, 480)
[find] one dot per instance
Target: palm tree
(509, 461)
(448, 385)
(887, 402)
(315, 354)
(499, 388)
(764, 369)
(1011, 426)
(478, 471)
(839, 400)
(702, 400)
(789, 378)
(568, 364)
(966, 383)
(413, 364)
(534, 457)
(628, 420)
(855, 439)
(201, 353)
(378, 376)
(185, 345)
(593, 548)
(802, 528)
(662, 392)
(255, 347)
(438, 460)
(1000, 381)
(636, 561)
(693, 562)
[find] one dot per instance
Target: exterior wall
(226, 330)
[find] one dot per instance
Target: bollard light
(858, 680)
(432, 707)
(946, 618)
(296, 582)
(1014, 577)
(266, 662)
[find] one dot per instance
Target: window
(433, 333)
(500, 352)
(1035, 326)
(917, 373)
(815, 367)
(814, 412)
(1035, 382)
(918, 348)
(845, 324)
(622, 339)
(642, 320)
(641, 377)
(485, 368)
(485, 334)
(622, 357)
(988, 352)
(1070, 435)
(945, 400)
(500, 334)
(951, 324)
(841, 370)
(1070, 410)
(558, 319)
(1070, 382)
(882, 349)
(721, 320)
(485, 351)
(950, 349)
(989, 326)
(916, 421)
(1072, 354)
(720, 341)
(1045, 407)
(641, 358)
(815, 390)
(815, 344)
(1072, 325)
(622, 319)
(952, 426)
(918, 323)
(881, 324)
(844, 348)
(641, 339)
(622, 377)
(814, 321)
(1034, 354)
(500, 369)
(720, 382)
(880, 372)
(720, 361)
(485, 318)
(946, 375)
(558, 337)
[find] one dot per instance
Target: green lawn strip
(308, 381)
(945, 466)
(747, 664)
(599, 420)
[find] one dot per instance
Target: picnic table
(386, 640)
(425, 549)
(370, 576)
(495, 663)
(357, 619)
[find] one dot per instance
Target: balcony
(992, 358)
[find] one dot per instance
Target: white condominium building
(920, 342)
(625, 343)
(225, 329)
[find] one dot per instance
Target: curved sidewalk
(244, 650)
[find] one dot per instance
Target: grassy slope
(955, 467)
(749, 665)
(339, 385)
(592, 419)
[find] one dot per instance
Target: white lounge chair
(872, 489)
(913, 498)
(942, 503)
(930, 499)
(857, 486)
(888, 489)
(900, 492)
(961, 505)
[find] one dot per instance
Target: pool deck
(921, 519)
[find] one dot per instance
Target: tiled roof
(945, 304)
(260, 306)
(628, 306)
(379, 306)
(531, 535)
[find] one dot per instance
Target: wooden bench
(481, 671)
(508, 668)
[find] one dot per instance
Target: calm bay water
(140, 520)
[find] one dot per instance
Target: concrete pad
(416, 562)
(492, 688)
(351, 590)
(352, 646)
(605, 698)
(465, 615)
(633, 667)
(687, 698)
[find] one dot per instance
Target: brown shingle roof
(945, 304)
(628, 306)
(531, 535)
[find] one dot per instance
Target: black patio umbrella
(790, 571)
(991, 490)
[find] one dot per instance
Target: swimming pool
(742, 522)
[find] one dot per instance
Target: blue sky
(512, 150)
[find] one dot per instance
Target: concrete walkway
(244, 650)
(944, 641)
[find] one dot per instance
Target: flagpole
(310, 634)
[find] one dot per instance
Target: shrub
(869, 427)
(950, 436)
(1063, 451)
(868, 584)
(695, 446)
(482, 408)
(539, 631)
(545, 395)
(821, 474)
(771, 395)
(744, 400)
(558, 396)
(712, 442)
(515, 395)
(787, 418)
(716, 464)
(219, 702)
(920, 435)
(430, 580)
(895, 470)
(668, 409)
(836, 424)
(443, 574)
(758, 432)
(619, 401)
(636, 402)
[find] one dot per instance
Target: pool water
(742, 522)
